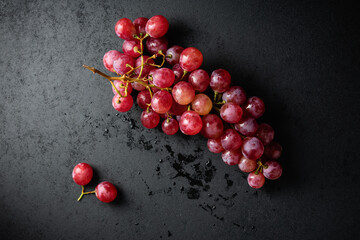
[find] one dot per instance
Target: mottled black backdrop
(301, 58)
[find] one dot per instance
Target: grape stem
(84, 193)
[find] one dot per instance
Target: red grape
(140, 24)
(149, 119)
(154, 45)
(231, 157)
(214, 145)
(190, 123)
(247, 165)
(138, 86)
(120, 86)
(201, 104)
(82, 174)
(252, 148)
(161, 101)
(231, 112)
(143, 98)
(247, 126)
(235, 94)
(163, 77)
(125, 29)
(120, 64)
(213, 127)
(199, 79)
(177, 109)
(183, 93)
(231, 140)
(220, 80)
(106, 192)
(123, 104)
(179, 72)
(157, 26)
(273, 150)
(255, 107)
(170, 126)
(190, 59)
(131, 48)
(256, 180)
(109, 59)
(265, 133)
(272, 170)
(173, 54)
(146, 69)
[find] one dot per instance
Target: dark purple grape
(235, 94)
(272, 170)
(255, 107)
(252, 148)
(199, 79)
(220, 80)
(231, 140)
(140, 24)
(265, 133)
(173, 54)
(273, 150)
(247, 126)
(154, 45)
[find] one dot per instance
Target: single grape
(140, 24)
(179, 72)
(131, 48)
(214, 145)
(231, 112)
(82, 174)
(157, 26)
(220, 80)
(231, 140)
(255, 107)
(252, 148)
(231, 157)
(106, 192)
(213, 127)
(154, 45)
(183, 93)
(201, 104)
(235, 94)
(272, 170)
(125, 29)
(247, 165)
(143, 98)
(161, 101)
(146, 69)
(190, 59)
(121, 86)
(247, 126)
(173, 54)
(138, 86)
(149, 119)
(120, 65)
(199, 79)
(123, 104)
(170, 126)
(177, 109)
(265, 133)
(190, 123)
(109, 59)
(163, 77)
(273, 150)
(256, 180)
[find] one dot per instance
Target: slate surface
(301, 58)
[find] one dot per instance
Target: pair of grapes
(104, 191)
(180, 96)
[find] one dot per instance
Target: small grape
(190, 59)
(231, 157)
(273, 150)
(252, 148)
(231, 112)
(183, 93)
(247, 165)
(122, 104)
(109, 59)
(272, 170)
(199, 79)
(106, 192)
(220, 80)
(157, 26)
(256, 180)
(82, 174)
(173, 54)
(201, 104)
(190, 123)
(131, 48)
(154, 45)
(214, 145)
(231, 140)
(213, 127)
(170, 126)
(255, 107)
(140, 24)
(161, 101)
(179, 72)
(163, 77)
(235, 94)
(265, 133)
(247, 126)
(149, 119)
(120, 65)
(125, 29)
(143, 98)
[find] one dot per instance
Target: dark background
(301, 58)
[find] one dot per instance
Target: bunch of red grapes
(180, 95)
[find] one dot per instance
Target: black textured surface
(301, 58)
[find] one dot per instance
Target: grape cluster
(190, 99)
(104, 191)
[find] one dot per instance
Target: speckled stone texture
(301, 58)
